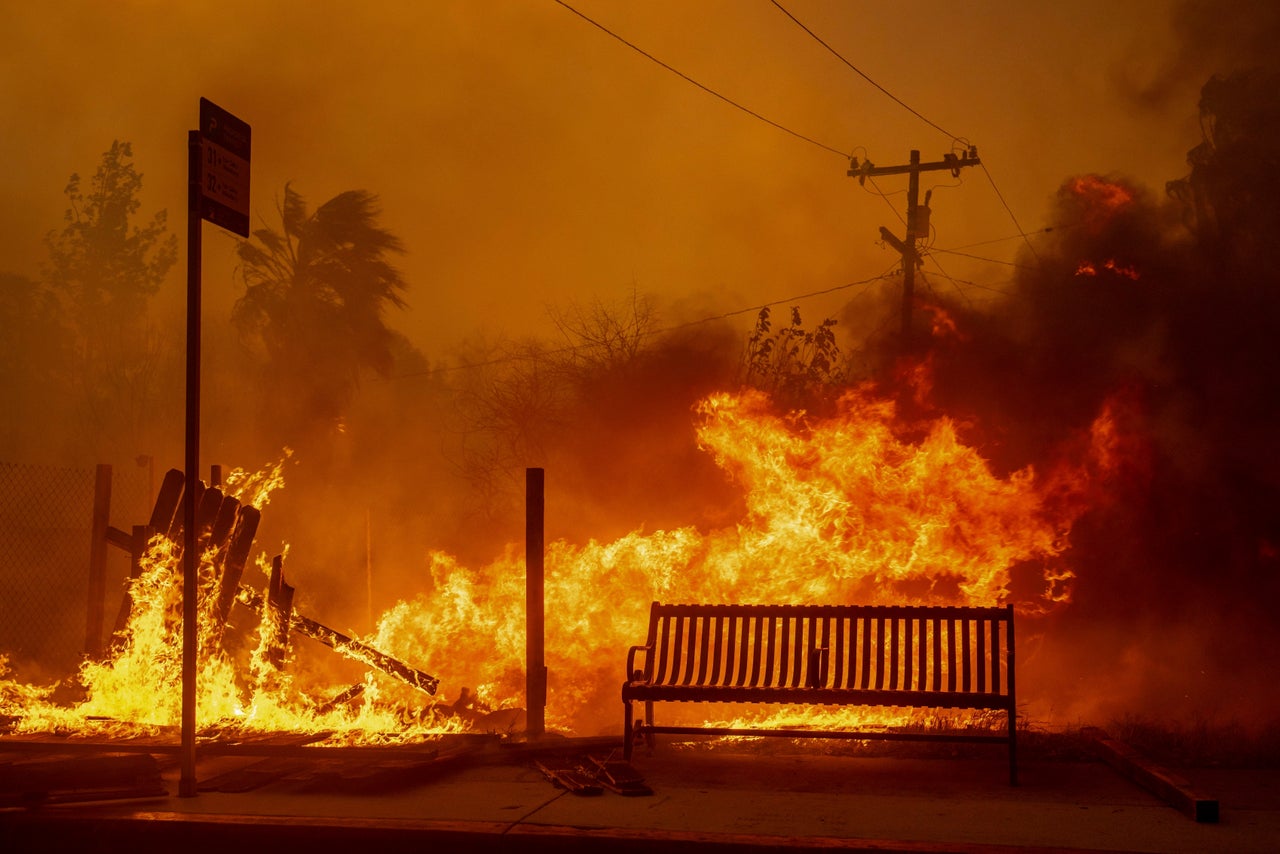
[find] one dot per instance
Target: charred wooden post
(178, 523)
(348, 646)
(223, 524)
(138, 542)
(234, 557)
(98, 562)
(535, 651)
(341, 699)
(206, 516)
(168, 500)
(278, 614)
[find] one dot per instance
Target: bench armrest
(632, 673)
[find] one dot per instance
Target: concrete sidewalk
(705, 799)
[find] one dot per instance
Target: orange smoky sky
(528, 160)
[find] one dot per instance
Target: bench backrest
(833, 647)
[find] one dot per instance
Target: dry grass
(1201, 744)
(1198, 744)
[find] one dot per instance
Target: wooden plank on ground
(40, 779)
(1160, 781)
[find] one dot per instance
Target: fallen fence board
(1160, 781)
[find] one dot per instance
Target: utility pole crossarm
(950, 162)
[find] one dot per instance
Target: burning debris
(283, 616)
(133, 686)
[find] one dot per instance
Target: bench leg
(649, 738)
(1013, 748)
(628, 736)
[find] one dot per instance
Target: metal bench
(852, 655)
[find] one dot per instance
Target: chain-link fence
(46, 516)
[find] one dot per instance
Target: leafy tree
(316, 290)
(102, 266)
(103, 269)
(800, 368)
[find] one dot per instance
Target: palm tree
(314, 299)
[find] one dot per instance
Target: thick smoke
(1161, 306)
(1207, 41)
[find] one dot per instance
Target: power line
(863, 74)
(1022, 235)
(809, 295)
(1009, 210)
(981, 258)
(885, 198)
(983, 287)
(704, 88)
(953, 282)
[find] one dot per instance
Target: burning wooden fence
(226, 529)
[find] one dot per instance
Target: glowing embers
(1098, 200)
(1126, 271)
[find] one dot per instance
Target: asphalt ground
(705, 798)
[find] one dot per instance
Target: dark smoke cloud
(1210, 38)
(1164, 306)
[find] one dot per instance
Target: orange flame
(850, 508)
(1128, 271)
(845, 509)
(1103, 196)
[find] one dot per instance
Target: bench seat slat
(981, 643)
(951, 655)
(704, 638)
(677, 648)
(691, 650)
(995, 656)
(660, 674)
(866, 653)
(839, 666)
(717, 650)
(936, 626)
(784, 653)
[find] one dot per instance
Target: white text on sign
(224, 177)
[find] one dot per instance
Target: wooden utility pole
(917, 225)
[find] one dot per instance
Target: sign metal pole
(217, 190)
(190, 560)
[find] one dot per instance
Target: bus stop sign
(224, 168)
